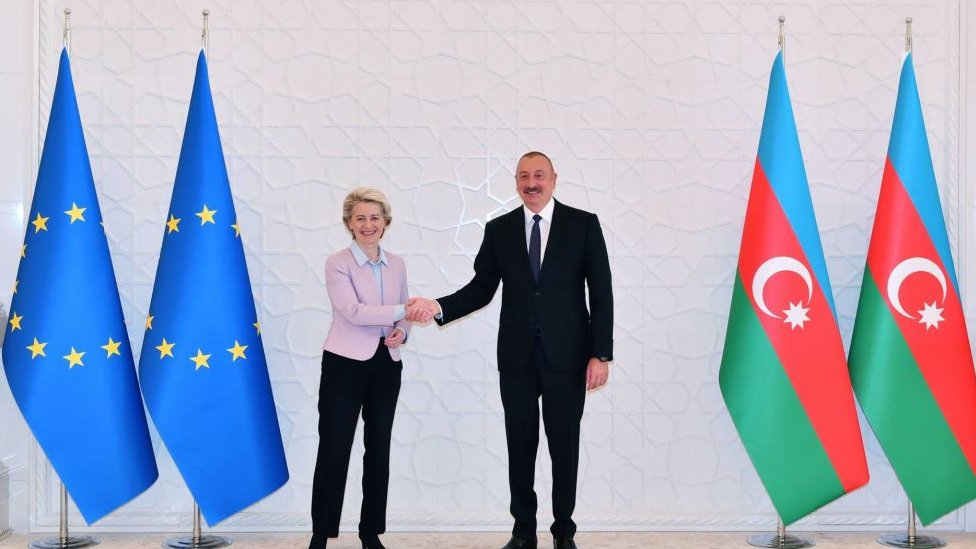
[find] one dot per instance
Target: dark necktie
(535, 247)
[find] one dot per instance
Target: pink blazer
(358, 314)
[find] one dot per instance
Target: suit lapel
(391, 287)
(516, 232)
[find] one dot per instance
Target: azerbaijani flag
(911, 364)
(783, 375)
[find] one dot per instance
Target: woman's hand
(396, 338)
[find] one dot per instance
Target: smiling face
(367, 223)
(535, 181)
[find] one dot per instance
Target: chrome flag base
(776, 541)
(203, 542)
(911, 542)
(71, 542)
(198, 540)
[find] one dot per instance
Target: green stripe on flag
(903, 413)
(772, 423)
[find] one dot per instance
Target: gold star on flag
(237, 351)
(76, 213)
(39, 223)
(257, 326)
(165, 349)
(74, 358)
(112, 348)
(206, 216)
(37, 348)
(237, 229)
(173, 224)
(16, 283)
(15, 322)
(23, 250)
(200, 360)
(149, 319)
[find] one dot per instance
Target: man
(549, 344)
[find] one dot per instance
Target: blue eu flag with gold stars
(202, 367)
(66, 352)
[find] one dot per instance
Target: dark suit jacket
(555, 307)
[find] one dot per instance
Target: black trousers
(563, 395)
(347, 387)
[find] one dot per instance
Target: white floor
(494, 540)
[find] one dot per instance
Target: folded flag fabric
(783, 374)
(910, 361)
(202, 368)
(66, 351)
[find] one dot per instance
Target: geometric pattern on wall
(651, 112)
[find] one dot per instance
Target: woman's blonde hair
(365, 194)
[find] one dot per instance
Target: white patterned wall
(651, 111)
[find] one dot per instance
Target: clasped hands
(422, 310)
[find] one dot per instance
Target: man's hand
(422, 310)
(597, 374)
(396, 338)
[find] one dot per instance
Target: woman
(361, 368)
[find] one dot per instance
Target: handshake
(422, 310)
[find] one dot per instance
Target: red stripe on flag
(937, 338)
(811, 351)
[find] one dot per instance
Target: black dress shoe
(372, 542)
(317, 542)
(563, 543)
(521, 543)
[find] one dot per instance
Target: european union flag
(66, 352)
(202, 367)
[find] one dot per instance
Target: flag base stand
(787, 541)
(72, 542)
(202, 542)
(911, 542)
(780, 540)
(64, 541)
(197, 540)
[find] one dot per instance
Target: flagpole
(911, 540)
(908, 35)
(780, 540)
(782, 36)
(205, 33)
(64, 541)
(197, 539)
(66, 31)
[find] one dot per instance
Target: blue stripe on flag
(782, 161)
(908, 149)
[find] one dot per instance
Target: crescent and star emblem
(930, 315)
(796, 315)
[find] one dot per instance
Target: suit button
(538, 293)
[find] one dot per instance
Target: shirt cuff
(399, 313)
